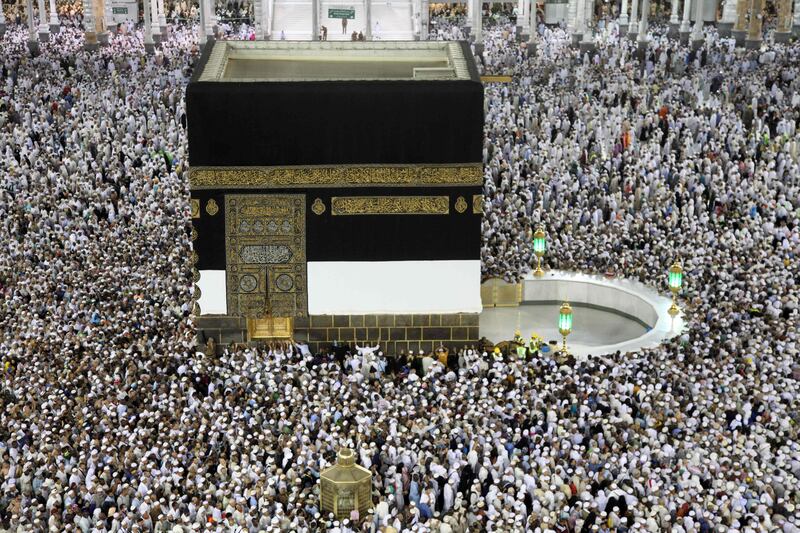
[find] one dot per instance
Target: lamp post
(539, 247)
(675, 284)
(565, 324)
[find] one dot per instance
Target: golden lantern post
(565, 324)
(675, 280)
(539, 248)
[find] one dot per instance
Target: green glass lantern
(675, 277)
(675, 280)
(539, 248)
(565, 323)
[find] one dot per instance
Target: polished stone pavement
(591, 327)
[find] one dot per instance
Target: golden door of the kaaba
(265, 236)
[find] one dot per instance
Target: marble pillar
(685, 27)
(739, 31)
(674, 20)
(783, 27)
(44, 27)
(728, 19)
(162, 19)
(55, 25)
(588, 19)
(211, 21)
(642, 37)
(33, 42)
(477, 25)
(202, 28)
(90, 31)
(633, 24)
(755, 28)
(622, 21)
(155, 27)
(572, 15)
(315, 20)
(258, 15)
(796, 19)
(368, 18)
(424, 20)
(697, 31)
(533, 22)
(580, 22)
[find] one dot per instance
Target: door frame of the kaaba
(265, 236)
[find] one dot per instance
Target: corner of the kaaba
(349, 208)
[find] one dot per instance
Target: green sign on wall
(341, 13)
(119, 10)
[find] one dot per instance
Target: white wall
(394, 287)
(213, 300)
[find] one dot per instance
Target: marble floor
(591, 327)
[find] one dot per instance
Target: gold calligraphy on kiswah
(390, 205)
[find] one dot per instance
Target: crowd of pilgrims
(112, 421)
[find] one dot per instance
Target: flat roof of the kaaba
(292, 103)
(260, 61)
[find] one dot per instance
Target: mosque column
(685, 23)
(754, 31)
(522, 19)
(211, 18)
(728, 19)
(572, 16)
(533, 22)
(162, 19)
(642, 37)
(739, 30)
(54, 23)
(99, 7)
(368, 11)
(155, 27)
(258, 14)
(796, 19)
(44, 27)
(633, 25)
(315, 20)
(33, 42)
(424, 20)
(697, 32)
(477, 25)
(2, 22)
(674, 21)
(783, 28)
(580, 12)
(622, 22)
(147, 29)
(588, 19)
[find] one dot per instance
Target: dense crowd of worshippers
(112, 421)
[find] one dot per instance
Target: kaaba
(338, 185)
